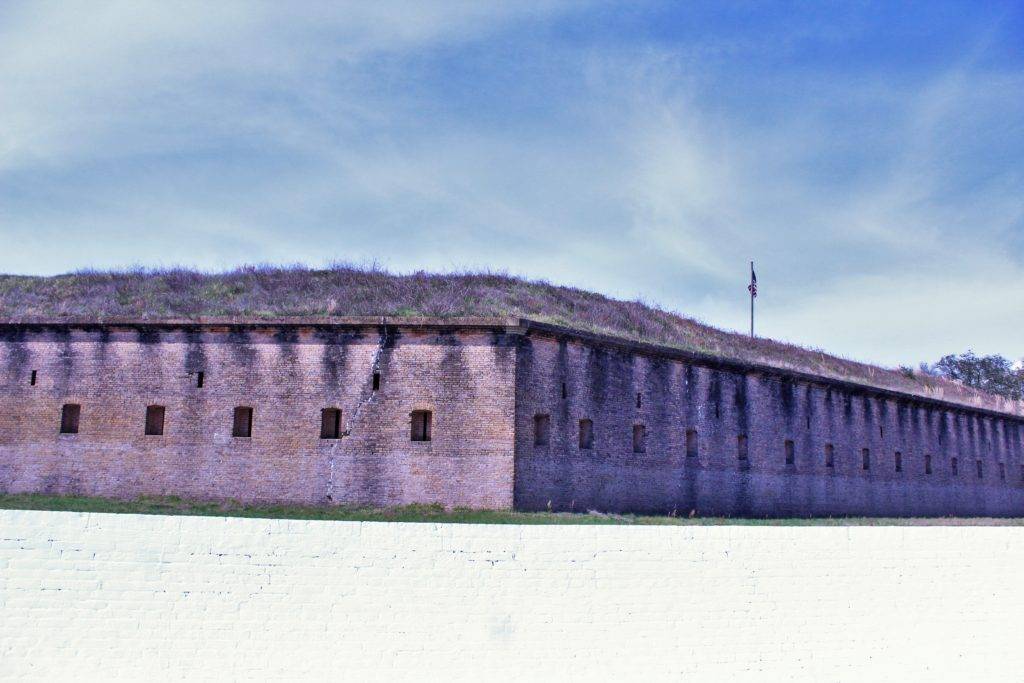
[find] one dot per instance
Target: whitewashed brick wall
(86, 596)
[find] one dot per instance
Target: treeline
(994, 374)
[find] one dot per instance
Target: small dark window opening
(154, 420)
(242, 425)
(718, 413)
(69, 415)
(421, 425)
(790, 453)
(741, 447)
(927, 464)
(1002, 471)
(639, 439)
(865, 455)
(980, 470)
(639, 401)
(32, 379)
(376, 381)
(830, 455)
(565, 391)
(200, 379)
(881, 432)
(954, 467)
(586, 434)
(541, 430)
(691, 443)
(899, 461)
(330, 423)
(808, 420)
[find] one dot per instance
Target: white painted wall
(86, 595)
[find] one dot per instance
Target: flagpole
(751, 300)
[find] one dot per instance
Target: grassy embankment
(343, 290)
(433, 513)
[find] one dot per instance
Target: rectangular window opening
(808, 420)
(586, 434)
(741, 447)
(242, 425)
(830, 455)
(718, 413)
(565, 391)
(865, 456)
(32, 379)
(541, 430)
(639, 439)
(376, 381)
(639, 401)
(790, 453)
(200, 379)
(881, 432)
(691, 443)
(954, 467)
(69, 415)
(927, 464)
(154, 420)
(330, 423)
(421, 425)
(981, 472)
(1002, 471)
(899, 461)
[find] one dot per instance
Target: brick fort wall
(811, 448)
(521, 414)
(287, 375)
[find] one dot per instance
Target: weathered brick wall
(483, 384)
(100, 597)
(602, 384)
(287, 375)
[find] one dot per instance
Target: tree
(994, 374)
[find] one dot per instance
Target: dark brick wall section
(287, 376)
(722, 405)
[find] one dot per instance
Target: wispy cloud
(649, 152)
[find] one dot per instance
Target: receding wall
(287, 375)
(792, 430)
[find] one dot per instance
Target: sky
(869, 156)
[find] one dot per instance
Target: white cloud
(218, 133)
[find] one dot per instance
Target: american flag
(752, 288)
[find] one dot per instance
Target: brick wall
(287, 375)
(618, 390)
(88, 596)
(484, 384)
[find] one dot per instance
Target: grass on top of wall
(435, 513)
(345, 290)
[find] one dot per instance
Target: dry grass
(344, 290)
(438, 514)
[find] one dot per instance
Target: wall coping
(523, 326)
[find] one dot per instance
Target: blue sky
(868, 155)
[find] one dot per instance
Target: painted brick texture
(98, 597)
(287, 377)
